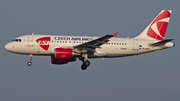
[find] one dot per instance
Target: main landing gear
(85, 65)
(29, 63)
(85, 62)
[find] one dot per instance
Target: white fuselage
(64, 49)
(116, 47)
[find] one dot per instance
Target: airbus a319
(64, 49)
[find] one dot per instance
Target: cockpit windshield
(17, 40)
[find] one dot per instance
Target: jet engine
(63, 53)
(62, 56)
(61, 61)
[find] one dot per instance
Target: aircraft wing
(92, 45)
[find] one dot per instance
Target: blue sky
(148, 77)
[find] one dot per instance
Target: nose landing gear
(29, 63)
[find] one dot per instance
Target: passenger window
(19, 40)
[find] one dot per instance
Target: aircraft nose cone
(7, 47)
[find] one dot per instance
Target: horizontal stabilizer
(161, 42)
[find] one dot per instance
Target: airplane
(64, 49)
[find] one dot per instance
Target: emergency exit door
(135, 45)
(30, 40)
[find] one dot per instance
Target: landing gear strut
(29, 63)
(85, 62)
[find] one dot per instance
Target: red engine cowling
(63, 53)
(61, 61)
(62, 56)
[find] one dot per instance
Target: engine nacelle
(61, 61)
(63, 53)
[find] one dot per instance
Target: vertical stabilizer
(156, 30)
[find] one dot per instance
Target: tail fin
(156, 30)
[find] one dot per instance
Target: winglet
(115, 34)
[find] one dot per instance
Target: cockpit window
(17, 40)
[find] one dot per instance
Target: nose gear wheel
(29, 63)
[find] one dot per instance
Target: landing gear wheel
(29, 63)
(83, 67)
(86, 63)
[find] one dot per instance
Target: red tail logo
(44, 42)
(157, 29)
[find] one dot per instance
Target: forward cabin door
(30, 40)
(135, 45)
